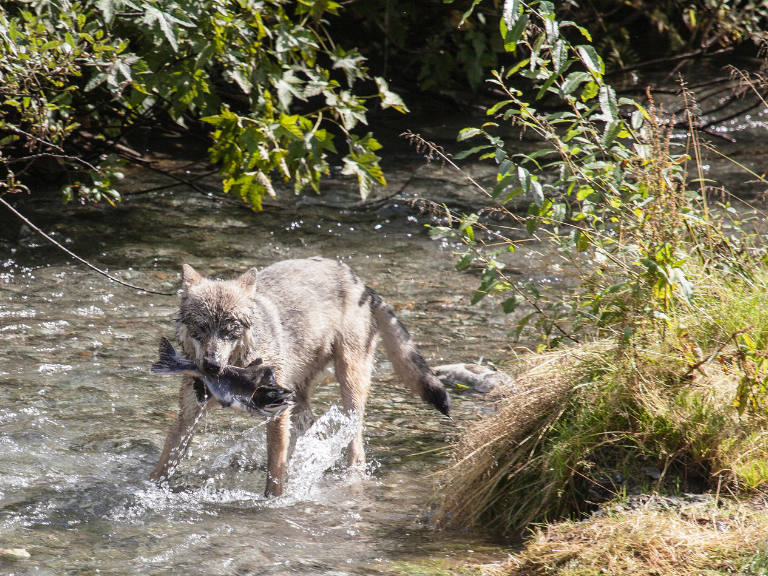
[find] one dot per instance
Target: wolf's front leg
(278, 438)
(192, 403)
(353, 369)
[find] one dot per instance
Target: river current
(82, 421)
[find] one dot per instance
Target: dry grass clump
(602, 420)
(693, 540)
(529, 404)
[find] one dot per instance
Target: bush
(587, 424)
(666, 388)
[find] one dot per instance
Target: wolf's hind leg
(278, 438)
(353, 369)
(191, 407)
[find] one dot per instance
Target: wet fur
(298, 316)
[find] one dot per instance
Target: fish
(252, 390)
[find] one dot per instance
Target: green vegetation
(665, 384)
(276, 85)
(78, 77)
(583, 425)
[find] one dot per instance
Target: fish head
(272, 399)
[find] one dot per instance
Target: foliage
(586, 424)
(610, 192)
(38, 70)
(266, 76)
(274, 81)
(667, 281)
(439, 47)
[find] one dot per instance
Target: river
(82, 421)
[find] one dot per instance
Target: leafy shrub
(266, 75)
(671, 373)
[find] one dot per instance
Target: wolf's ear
(189, 277)
(248, 279)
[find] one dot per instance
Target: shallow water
(82, 422)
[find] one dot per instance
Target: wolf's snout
(211, 367)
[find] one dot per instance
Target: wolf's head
(214, 319)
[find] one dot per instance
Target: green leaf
(95, 81)
(582, 241)
(590, 91)
(495, 108)
(522, 324)
(362, 162)
(612, 130)
(166, 22)
(525, 179)
(559, 54)
(464, 261)
(389, 98)
(351, 63)
(608, 104)
(552, 29)
(467, 133)
(512, 195)
(637, 119)
(547, 84)
(591, 60)
(468, 13)
(511, 12)
(465, 153)
(511, 303)
(537, 192)
(512, 37)
(531, 224)
(573, 81)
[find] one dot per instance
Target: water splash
(319, 449)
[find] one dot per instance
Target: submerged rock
(471, 377)
(16, 552)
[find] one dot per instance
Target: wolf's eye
(232, 328)
(197, 332)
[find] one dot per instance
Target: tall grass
(589, 423)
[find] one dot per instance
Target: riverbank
(648, 457)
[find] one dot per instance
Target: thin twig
(714, 354)
(76, 257)
(166, 186)
(661, 61)
(49, 155)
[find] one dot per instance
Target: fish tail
(170, 360)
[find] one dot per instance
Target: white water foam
(318, 450)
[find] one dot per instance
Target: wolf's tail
(406, 359)
(170, 360)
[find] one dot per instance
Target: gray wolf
(252, 389)
(298, 316)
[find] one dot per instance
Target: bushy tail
(406, 359)
(170, 362)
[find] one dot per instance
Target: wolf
(297, 316)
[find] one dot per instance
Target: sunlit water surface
(82, 422)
